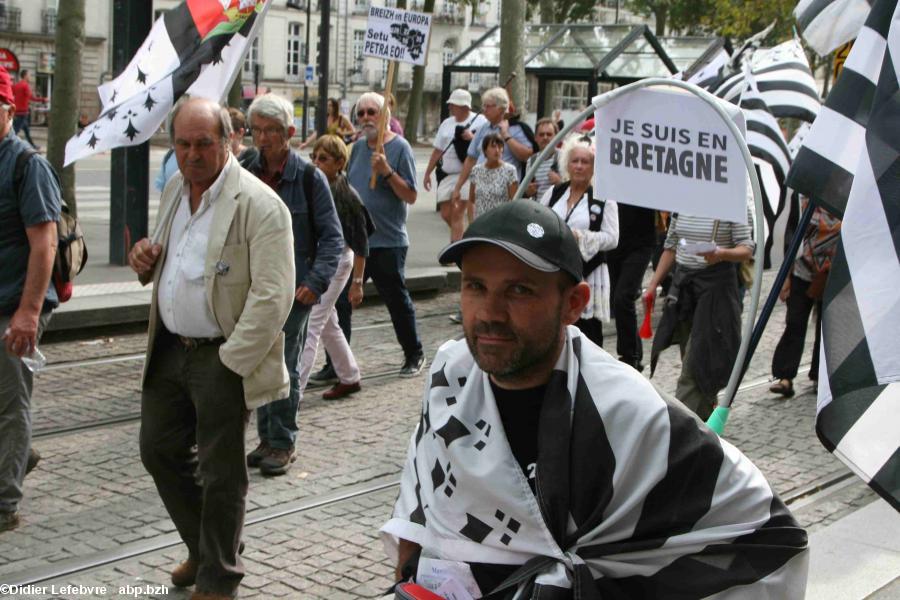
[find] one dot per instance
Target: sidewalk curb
(134, 306)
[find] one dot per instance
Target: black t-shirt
(520, 412)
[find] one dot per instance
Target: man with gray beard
(388, 203)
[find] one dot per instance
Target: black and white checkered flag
(826, 24)
(849, 163)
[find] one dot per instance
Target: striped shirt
(541, 175)
(700, 229)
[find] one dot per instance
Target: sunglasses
(369, 111)
(321, 156)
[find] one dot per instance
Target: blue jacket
(314, 274)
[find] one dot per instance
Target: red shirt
(24, 97)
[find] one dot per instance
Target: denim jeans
(386, 268)
(23, 123)
(276, 422)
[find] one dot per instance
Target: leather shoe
(277, 462)
(185, 574)
(259, 453)
(210, 596)
(341, 390)
(8, 520)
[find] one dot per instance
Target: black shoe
(324, 376)
(413, 366)
(277, 462)
(256, 456)
(8, 520)
(34, 458)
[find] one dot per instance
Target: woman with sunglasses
(594, 222)
(330, 155)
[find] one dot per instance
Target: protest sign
(669, 150)
(394, 34)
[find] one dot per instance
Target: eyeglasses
(269, 131)
(368, 111)
(323, 156)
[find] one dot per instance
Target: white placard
(667, 149)
(395, 34)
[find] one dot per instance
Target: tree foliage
(736, 19)
(561, 11)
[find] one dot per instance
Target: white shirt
(591, 242)
(181, 298)
(450, 162)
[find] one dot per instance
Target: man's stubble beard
(524, 357)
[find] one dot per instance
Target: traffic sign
(9, 60)
(309, 74)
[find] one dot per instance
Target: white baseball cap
(460, 97)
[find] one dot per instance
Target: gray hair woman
(593, 221)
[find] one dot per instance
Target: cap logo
(535, 230)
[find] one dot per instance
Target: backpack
(309, 173)
(71, 253)
(596, 209)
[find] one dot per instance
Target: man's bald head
(200, 131)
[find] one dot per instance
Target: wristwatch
(507, 138)
(389, 175)
(358, 280)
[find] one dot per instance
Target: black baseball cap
(529, 231)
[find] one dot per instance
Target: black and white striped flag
(826, 24)
(784, 79)
(772, 157)
(850, 164)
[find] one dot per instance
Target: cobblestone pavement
(90, 497)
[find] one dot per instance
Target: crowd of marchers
(592, 481)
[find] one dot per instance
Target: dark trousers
(592, 328)
(190, 398)
(386, 268)
(626, 273)
(789, 350)
(23, 123)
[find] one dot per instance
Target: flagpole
(780, 278)
(383, 117)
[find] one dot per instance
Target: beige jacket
(251, 232)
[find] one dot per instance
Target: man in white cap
(450, 147)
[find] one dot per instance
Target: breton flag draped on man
(194, 48)
(858, 177)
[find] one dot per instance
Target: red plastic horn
(646, 331)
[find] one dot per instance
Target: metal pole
(129, 179)
(322, 105)
(780, 278)
(720, 415)
(305, 126)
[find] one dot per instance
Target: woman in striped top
(704, 286)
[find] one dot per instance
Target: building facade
(28, 40)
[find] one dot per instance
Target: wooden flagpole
(383, 118)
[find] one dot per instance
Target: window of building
(448, 52)
(294, 50)
(252, 59)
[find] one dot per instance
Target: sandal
(784, 387)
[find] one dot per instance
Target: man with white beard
(388, 203)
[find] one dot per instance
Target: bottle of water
(35, 361)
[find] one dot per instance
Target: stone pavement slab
(856, 556)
